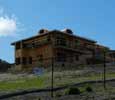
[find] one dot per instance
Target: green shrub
(89, 89)
(59, 94)
(73, 91)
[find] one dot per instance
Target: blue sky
(20, 19)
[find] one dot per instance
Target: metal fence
(59, 75)
(63, 73)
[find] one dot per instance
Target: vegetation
(73, 91)
(4, 65)
(58, 94)
(20, 84)
(16, 82)
(89, 89)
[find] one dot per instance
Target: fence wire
(53, 73)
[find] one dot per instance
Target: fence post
(52, 76)
(104, 82)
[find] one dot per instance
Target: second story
(56, 38)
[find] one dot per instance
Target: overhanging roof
(57, 31)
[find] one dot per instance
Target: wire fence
(55, 72)
(66, 71)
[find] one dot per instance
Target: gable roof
(52, 32)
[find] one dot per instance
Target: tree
(4, 65)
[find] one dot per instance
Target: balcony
(35, 44)
(72, 48)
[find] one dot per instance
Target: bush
(59, 94)
(73, 91)
(89, 89)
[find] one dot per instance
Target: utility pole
(104, 73)
(52, 77)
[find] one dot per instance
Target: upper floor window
(48, 38)
(70, 58)
(61, 41)
(24, 60)
(24, 45)
(77, 57)
(30, 60)
(29, 45)
(18, 45)
(17, 61)
(61, 57)
(77, 43)
(40, 58)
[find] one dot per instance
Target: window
(61, 57)
(77, 57)
(17, 61)
(18, 45)
(24, 45)
(60, 36)
(77, 43)
(28, 45)
(40, 58)
(61, 42)
(70, 58)
(33, 44)
(48, 38)
(30, 60)
(24, 60)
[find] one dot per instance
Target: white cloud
(8, 25)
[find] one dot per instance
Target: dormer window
(48, 38)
